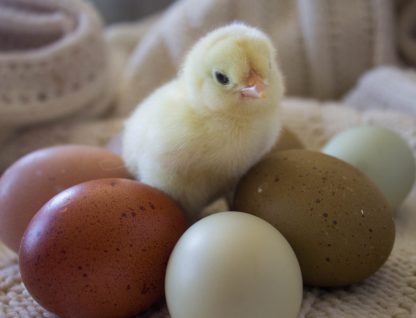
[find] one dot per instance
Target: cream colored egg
(233, 265)
(381, 154)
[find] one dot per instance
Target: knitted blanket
(148, 53)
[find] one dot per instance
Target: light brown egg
(35, 178)
(287, 140)
(100, 249)
(336, 220)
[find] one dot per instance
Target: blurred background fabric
(114, 11)
(324, 48)
(54, 63)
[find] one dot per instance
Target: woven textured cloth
(399, 94)
(323, 46)
(326, 50)
(323, 49)
(53, 62)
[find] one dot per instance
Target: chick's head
(233, 66)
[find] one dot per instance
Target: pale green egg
(233, 265)
(381, 154)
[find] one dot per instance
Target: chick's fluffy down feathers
(194, 137)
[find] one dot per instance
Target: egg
(381, 154)
(35, 178)
(233, 265)
(100, 249)
(337, 221)
(287, 140)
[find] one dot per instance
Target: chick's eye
(222, 78)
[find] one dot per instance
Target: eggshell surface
(35, 178)
(287, 140)
(100, 249)
(233, 265)
(336, 220)
(381, 154)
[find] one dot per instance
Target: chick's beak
(255, 87)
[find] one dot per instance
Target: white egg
(233, 265)
(381, 154)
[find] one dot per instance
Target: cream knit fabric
(64, 68)
(53, 62)
(325, 48)
(406, 31)
(398, 91)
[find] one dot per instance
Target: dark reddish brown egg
(35, 178)
(100, 249)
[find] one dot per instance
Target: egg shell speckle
(338, 223)
(100, 249)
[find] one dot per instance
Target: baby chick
(194, 137)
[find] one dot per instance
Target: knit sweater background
(54, 62)
(327, 50)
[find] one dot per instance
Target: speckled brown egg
(336, 220)
(100, 249)
(35, 178)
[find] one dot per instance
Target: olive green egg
(337, 221)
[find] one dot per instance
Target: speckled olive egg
(100, 249)
(382, 154)
(35, 178)
(336, 220)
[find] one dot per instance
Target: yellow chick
(194, 137)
